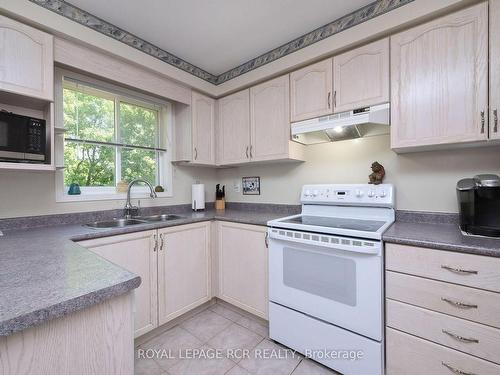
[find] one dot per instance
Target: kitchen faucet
(130, 210)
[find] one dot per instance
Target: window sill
(107, 196)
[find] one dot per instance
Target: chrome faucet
(130, 210)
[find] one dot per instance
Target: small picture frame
(251, 185)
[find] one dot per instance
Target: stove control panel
(347, 194)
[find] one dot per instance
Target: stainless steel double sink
(120, 223)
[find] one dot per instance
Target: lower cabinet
(183, 269)
(243, 267)
(135, 252)
(174, 266)
(441, 312)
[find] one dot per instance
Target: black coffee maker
(479, 204)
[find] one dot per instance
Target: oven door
(341, 287)
(13, 130)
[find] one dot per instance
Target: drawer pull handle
(461, 305)
(455, 370)
(459, 270)
(461, 338)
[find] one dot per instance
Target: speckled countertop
(44, 274)
(439, 232)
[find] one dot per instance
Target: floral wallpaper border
(355, 18)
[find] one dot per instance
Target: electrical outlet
(236, 186)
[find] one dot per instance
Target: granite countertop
(45, 274)
(441, 236)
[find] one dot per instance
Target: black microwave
(22, 138)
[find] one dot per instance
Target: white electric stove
(326, 276)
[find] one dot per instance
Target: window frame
(118, 94)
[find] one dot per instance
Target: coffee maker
(479, 205)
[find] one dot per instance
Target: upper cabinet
(234, 128)
(203, 129)
(311, 91)
(270, 120)
(361, 77)
(439, 81)
(254, 125)
(26, 60)
(494, 69)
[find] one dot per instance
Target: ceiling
(218, 35)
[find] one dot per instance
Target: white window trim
(109, 192)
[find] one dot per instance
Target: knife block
(220, 204)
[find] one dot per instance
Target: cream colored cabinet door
(203, 128)
(361, 77)
(242, 266)
(233, 132)
(311, 91)
(494, 68)
(183, 269)
(439, 81)
(26, 60)
(137, 253)
(270, 119)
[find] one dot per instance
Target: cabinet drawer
(469, 337)
(410, 355)
(463, 302)
(465, 269)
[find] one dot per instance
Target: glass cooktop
(336, 222)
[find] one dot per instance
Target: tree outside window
(109, 138)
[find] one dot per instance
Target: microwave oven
(22, 138)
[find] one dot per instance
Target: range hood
(363, 122)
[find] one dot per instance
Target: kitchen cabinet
(183, 269)
(455, 298)
(270, 122)
(439, 81)
(494, 68)
(311, 91)
(234, 128)
(254, 125)
(135, 252)
(243, 267)
(203, 129)
(26, 61)
(361, 77)
(194, 131)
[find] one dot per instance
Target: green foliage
(92, 118)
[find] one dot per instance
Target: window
(111, 137)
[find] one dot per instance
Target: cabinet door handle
(195, 153)
(251, 156)
(461, 338)
(495, 121)
(266, 240)
(161, 241)
(455, 370)
(482, 122)
(335, 99)
(459, 270)
(329, 100)
(460, 305)
(247, 152)
(155, 239)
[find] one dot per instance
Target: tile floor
(222, 341)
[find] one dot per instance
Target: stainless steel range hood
(363, 122)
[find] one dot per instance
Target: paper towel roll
(198, 197)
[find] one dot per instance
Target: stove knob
(371, 193)
(382, 193)
(315, 193)
(307, 193)
(359, 193)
